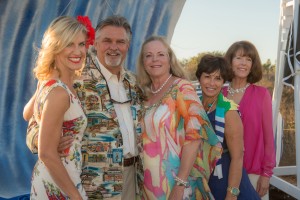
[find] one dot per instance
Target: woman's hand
(177, 193)
(263, 184)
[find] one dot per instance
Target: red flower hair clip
(90, 30)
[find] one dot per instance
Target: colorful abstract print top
(175, 121)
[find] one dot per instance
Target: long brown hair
(246, 49)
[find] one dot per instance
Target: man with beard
(111, 100)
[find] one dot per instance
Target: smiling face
(112, 46)
(211, 84)
(72, 57)
(241, 65)
(156, 59)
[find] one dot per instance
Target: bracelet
(181, 182)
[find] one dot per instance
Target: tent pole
(297, 90)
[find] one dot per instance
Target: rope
(65, 7)
(106, 1)
(288, 58)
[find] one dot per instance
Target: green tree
(266, 68)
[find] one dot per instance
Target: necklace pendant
(210, 105)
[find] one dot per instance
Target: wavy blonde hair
(175, 67)
(58, 35)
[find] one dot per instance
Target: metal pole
(277, 91)
(297, 91)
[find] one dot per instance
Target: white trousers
(253, 179)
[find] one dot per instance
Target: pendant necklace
(210, 105)
(161, 87)
(232, 91)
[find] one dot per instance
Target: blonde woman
(179, 144)
(57, 110)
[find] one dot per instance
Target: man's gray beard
(113, 62)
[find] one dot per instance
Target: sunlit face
(241, 65)
(156, 59)
(72, 57)
(211, 84)
(112, 46)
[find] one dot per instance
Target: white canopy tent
(287, 53)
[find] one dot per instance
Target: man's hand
(64, 145)
(263, 184)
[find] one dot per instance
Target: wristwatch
(234, 191)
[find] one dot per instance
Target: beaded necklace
(232, 91)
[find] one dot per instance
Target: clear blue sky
(213, 25)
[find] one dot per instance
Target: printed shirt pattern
(176, 120)
(43, 186)
(102, 174)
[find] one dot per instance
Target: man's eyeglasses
(126, 84)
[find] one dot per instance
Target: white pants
(128, 192)
(253, 179)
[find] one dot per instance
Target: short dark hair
(247, 49)
(114, 20)
(211, 63)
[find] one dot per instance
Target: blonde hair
(58, 35)
(175, 67)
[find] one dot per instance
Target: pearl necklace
(161, 87)
(232, 91)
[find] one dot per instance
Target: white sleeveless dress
(75, 122)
